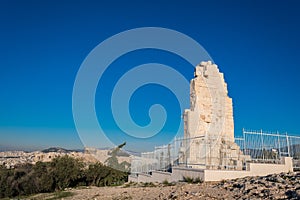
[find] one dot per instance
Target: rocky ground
(160, 191)
(278, 186)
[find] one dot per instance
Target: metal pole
(175, 155)
(279, 148)
(187, 152)
(288, 144)
(262, 144)
(169, 155)
(244, 135)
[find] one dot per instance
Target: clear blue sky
(43, 43)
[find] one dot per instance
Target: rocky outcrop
(275, 186)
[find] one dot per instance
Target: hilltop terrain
(276, 186)
(10, 159)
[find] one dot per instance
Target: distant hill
(59, 150)
(134, 153)
(122, 152)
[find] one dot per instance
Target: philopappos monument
(208, 150)
(208, 124)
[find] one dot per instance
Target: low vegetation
(167, 183)
(192, 180)
(60, 173)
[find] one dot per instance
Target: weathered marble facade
(208, 124)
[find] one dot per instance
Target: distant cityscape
(11, 159)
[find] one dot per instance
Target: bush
(148, 184)
(192, 180)
(60, 173)
(166, 183)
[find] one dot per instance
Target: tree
(66, 172)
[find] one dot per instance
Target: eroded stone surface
(209, 122)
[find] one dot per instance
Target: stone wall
(255, 169)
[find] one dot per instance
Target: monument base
(178, 173)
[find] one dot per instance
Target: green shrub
(66, 172)
(192, 180)
(198, 180)
(166, 183)
(148, 184)
(60, 173)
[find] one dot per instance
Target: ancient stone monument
(208, 124)
(208, 150)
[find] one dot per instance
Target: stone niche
(208, 124)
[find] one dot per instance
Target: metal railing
(261, 146)
(270, 147)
